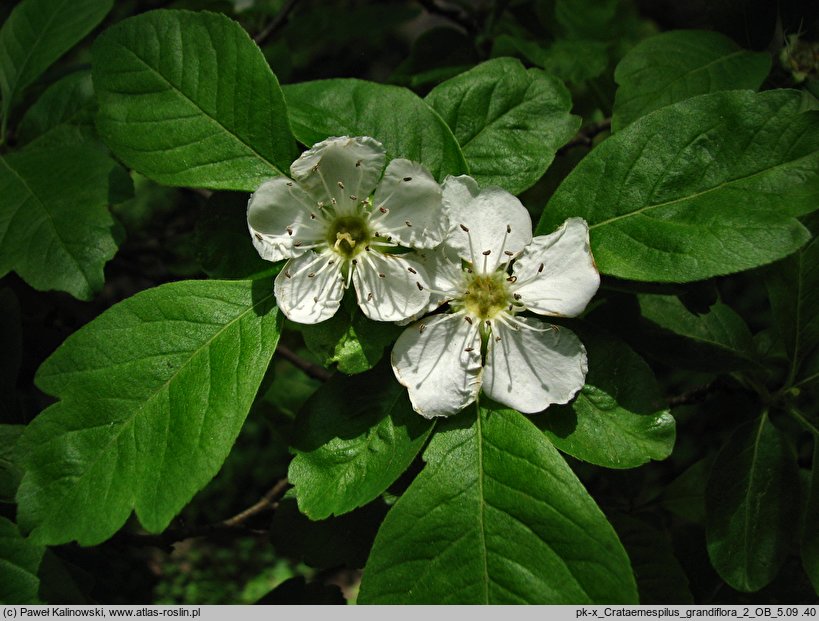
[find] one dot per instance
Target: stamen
(287, 274)
(353, 197)
(516, 296)
(382, 275)
(464, 228)
(468, 319)
(358, 163)
(407, 222)
(289, 184)
(420, 286)
(469, 349)
(312, 216)
(259, 237)
(540, 269)
(411, 271)
(289, 230)
(497, 338)
(370, 296)
(422, 327)
(407, 178)
(383, 210)
(486, 253)
(340, 185)
(508, 229)
(311, 275)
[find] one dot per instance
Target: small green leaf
(674, 66)
(708, 186)
(10, 472)
(395, 116)
(350, 340)
(188, 99)
(509, 121)
(810, 534)
(64, 113)
(19, 560)
(619, 418)
(718, 340)
(793, 288)
(153, 393)
(36, 34)
(55, 228)
(750, 502)
(496, 517)
(354, 438)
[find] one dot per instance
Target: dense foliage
(168, 435)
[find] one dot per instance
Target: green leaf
(55, 228)
(64, 113)
(153, 393)
(496, 517)
(718, 340)
(793, 288)
(574, 61)
(350, 340)
(750, 501)
(19, 560)
(619, 419)
(395, 116)
(509, 121)
(10, 472)
(708, 186)
(810, 534)
(685, 495)
(36, 34)
(354, 438)
(674, 66)
(188, 99)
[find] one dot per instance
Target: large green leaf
(674, 66)
(509, 121)
(354, 438)
(153, 393)
(750, 505)
(395, 116)
(63, 114)
(188, 99)
(19, 560)
(711, 185)
(793, 287)
(36, 34)
(55, 228)
(496, 517)
(810, 534)
(718, 340)
(619, 418)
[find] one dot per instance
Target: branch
(310, 369)
(232, 526)
(585, 137)
(695, 395)
(275, 23)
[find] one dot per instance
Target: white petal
(310, 299)
(529, 369)
(445, 278)
(497, 222)
(568, 278)
(341, 168)
(438, 359)
(278, 215)
(412, 199)
(389, 287)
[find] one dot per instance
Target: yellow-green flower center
(486, 294)
(348, 235)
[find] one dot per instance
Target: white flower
(335, 230)
(490, 270)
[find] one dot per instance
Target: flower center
(348, 235)
(486, 294)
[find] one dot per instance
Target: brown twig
(232, 526)
(695, 395)
(310, 369)
(585, 137)
(281, 17)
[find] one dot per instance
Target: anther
(411, 271)
(289, 230)
(297, 244)
(512, 278)
(464, 228)
(508, 229)
(315, 168)
(488, 323)
(407, 222)
(540, 269)
(422, 327)
(468, 270)
(382, 275)
(469, 349)
(341, 185)
(367, 248)
(420, 286)
(289, 184)
(315, 299)
(467, 318)
(312, 216)
(320, 204)
(497, 338)
(509, 253)
(486, 253)
(383, 209)
(407, 178)
(358, 163)
(355, 261)
(369, 296)
(311, 275)
(259, 237)
(516, 296)
(287, 274)
(353, 197)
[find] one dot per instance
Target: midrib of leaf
(702, 193)
(482, 501)
(751, 473)
(136, 411)
(38, 39)
(45, 210)
(214, 120)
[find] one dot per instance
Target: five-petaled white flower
(336, 226)
(490, 269)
